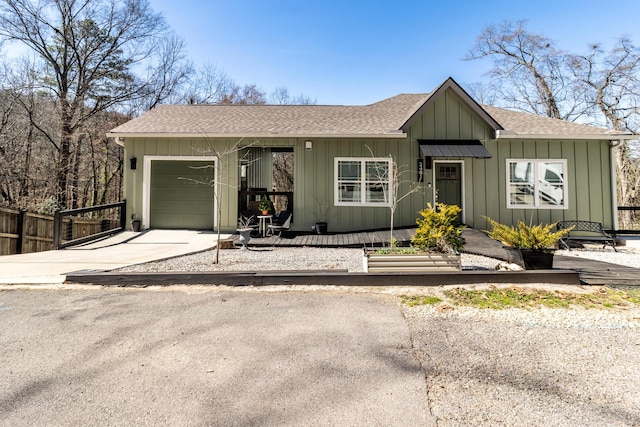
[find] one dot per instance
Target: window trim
(536, 184)
(362, 181)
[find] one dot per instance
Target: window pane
(362, 181)
(521, 172)
(377, 171)
(349, 192)
(536, 183)
(551, 183)
(377, 192)
(447, 173)
(349, 170)
(521, 194)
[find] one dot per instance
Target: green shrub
(523, 236)
(439, 230)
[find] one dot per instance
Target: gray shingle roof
(519, 123)
(382, 119)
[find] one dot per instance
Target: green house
(184, 160)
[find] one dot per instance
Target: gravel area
(561, 367)
(281, 258)
(626, 255)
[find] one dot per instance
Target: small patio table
(263, 224)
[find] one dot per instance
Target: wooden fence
(23, 232)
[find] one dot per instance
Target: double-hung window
(362, 181)
(539, 184)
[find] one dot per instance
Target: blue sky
(359, 52)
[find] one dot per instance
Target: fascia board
(392, 135)
(601, 137)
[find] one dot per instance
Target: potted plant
(536, 244)
(244, 229)
(135, 223)
(265, 205)
(322, 211)
(434, 246)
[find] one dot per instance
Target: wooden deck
(360, 239)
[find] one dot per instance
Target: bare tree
(243, 95)
(283, 171)
(221, 180)
(206, 85)
(394, 174)
(600, 88)
(613, 81)
(530, 73)
(89, 54)
(281, 96)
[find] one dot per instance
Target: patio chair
(282, 223)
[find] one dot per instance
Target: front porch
(336, 240)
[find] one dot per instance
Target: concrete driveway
(206, 356)
(123, 249)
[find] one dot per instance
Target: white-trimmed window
(535, 183)
(362, 181)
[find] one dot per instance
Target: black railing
(68, 231)
(629, 219)
(248, 201)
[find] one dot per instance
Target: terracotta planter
(426, 262)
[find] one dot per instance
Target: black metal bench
(588, 231)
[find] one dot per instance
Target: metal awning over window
(453, 148)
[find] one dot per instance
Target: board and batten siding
(588, 174)
(451, 118)
(314, 184)
(588, 180)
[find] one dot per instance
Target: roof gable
(439, 93)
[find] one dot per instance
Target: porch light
(133, 163)
(308, 145)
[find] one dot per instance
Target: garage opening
(181, 194)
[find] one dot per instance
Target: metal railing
(628, 220)
(282, 200)
(68, 231)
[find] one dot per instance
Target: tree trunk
(62, 172)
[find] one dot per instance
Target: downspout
(614, 179)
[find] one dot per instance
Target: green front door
(176, 200)
(449, 184)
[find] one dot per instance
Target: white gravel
(307, 258)
(626, 255)
(281, 258)
(560, 367)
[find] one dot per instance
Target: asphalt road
(206, 357)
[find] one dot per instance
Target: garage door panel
(176, 202)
